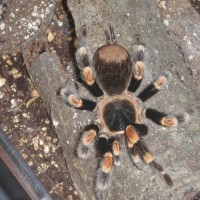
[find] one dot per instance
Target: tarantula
(113, 77)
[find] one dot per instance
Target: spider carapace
(113, 77)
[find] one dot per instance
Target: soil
(195, 4)
(26, 123)
(23, 116)
(23, 20)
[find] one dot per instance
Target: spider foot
(135, 158)
(103, 180)
(138, 70)
(163, 80)
(103, 174)
(148, 158)
(193, 113)
(75, 101)
(116, 152)
(83, 151)
(169, 122)
(138, 53)
(156, 166)
(87, 75)
(84, 148)
(183, 118)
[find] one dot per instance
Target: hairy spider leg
(79, 103)
(140, 131)
(115, 150)
(105, 148)
(83, 64)
(135, 157)
(161, 118)
(155, 87)
(138, 68)
(140, 150)
(87, 141)
(108, 159)
(73, 99)
(110, 38)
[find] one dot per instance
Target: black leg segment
(161, 118)
(106, 163)
(155, 115)
(154, 88)
(148, 92)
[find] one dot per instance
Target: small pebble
(26, 37)
(9, 62)
(24, 156)
(2, 81)
(15, 73)
(41, 142)
(25, 115)
(56, 165)
(34, 14)
(69, 197)
(40, 155)
(55, 123)
(44, 166)
(163, 5)
(191, 57)
(35, 143)
(34, 93)
(13, 102)
(1, 95)
(47, 121)
(30, 163)
(50, 37)
(166, 22)
(15, 119)
(4, 56)
(46, 149)
(2, 26)
(44, 128)
(60, 23)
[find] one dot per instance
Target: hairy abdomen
(118, 114)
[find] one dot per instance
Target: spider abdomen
(118, 115)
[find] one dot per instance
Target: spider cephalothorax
(119, 112)
(112, 66)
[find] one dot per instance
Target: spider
(113, 77)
